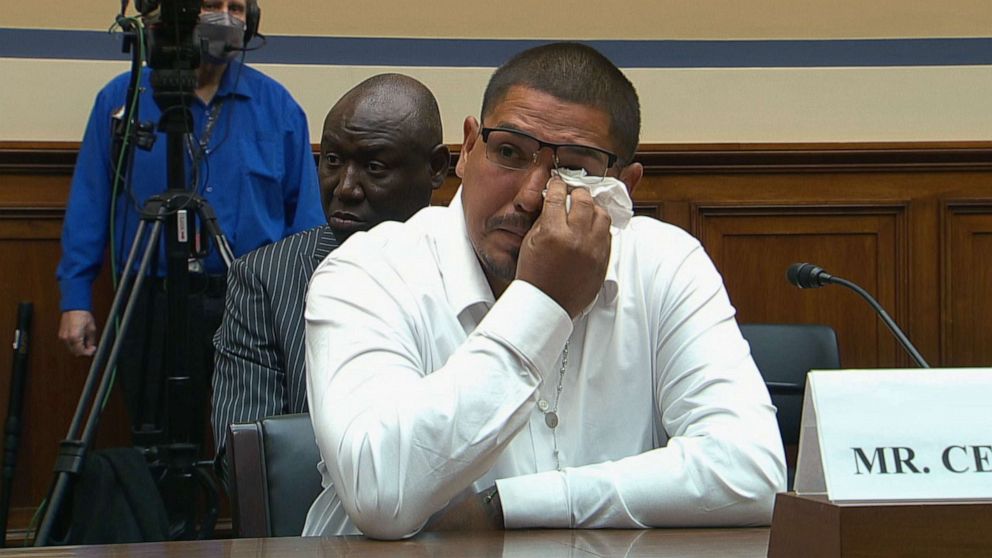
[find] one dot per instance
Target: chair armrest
(249, 489)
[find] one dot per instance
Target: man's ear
(440, 161)
(631, 176)
(471, 130)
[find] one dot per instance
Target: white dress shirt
(421, 385)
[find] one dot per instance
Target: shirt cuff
(539, 338)
(538, 500)
(77, 294)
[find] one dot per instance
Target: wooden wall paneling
(753, 247)
(911, 222)
(27, 241)
(31, 210)
(849, 179)
(921, 323)
(650, 200)
(444, 194)
(966, 329)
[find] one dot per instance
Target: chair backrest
(274, 475)
(784, 353)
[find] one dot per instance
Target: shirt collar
(466, 283)
(611, 286)
(234, 81)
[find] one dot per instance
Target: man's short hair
(575, 73)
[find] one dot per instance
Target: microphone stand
(886, 319)
(809, 276)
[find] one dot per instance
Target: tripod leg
(92, 424)
(105, 339)
(72, 450)
(209, 220)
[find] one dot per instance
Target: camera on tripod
(170, 423)
(173, 56)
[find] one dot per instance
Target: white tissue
(608, 193)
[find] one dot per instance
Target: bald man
(381, 155)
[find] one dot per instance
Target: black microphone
(12, 426)
(809, 276)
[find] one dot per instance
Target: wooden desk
(509, 544)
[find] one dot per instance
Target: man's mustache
(519, 223)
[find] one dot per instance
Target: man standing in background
(248, 154)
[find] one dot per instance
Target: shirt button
(543, 405)
(210, 188)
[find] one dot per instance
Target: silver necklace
(551, 415)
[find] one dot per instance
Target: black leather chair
(274, 475)
(784, 353)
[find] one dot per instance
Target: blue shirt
(258, 175)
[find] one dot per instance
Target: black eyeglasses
(513, 149)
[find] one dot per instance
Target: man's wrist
(494, 506)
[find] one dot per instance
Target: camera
(173, 57)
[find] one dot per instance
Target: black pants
(170, 405)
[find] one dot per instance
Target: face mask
(221, 32)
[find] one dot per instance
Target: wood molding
(32, 213)
(815, 157)
(911, 221)
(660, 158)
(38, 157)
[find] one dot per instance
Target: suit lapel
(320, 246)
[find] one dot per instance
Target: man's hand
(77, 329)
(469, 511)
(566, 253)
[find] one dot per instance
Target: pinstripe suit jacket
(259, 359)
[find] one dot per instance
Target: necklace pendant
(551, 419)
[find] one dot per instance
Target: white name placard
(897, 435)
